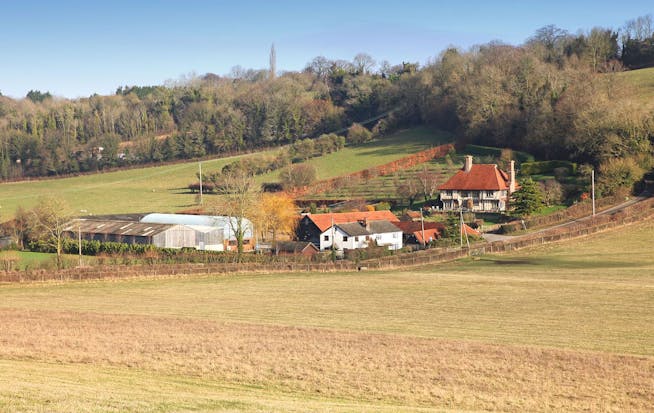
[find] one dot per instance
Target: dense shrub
(297, 176)
(479, 150)
(619, 175)
(304, 149)
(547, 167)
(357, 134)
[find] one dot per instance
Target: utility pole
(461, 227)
(422, 225)
(79, 236)
(333, 243)
(200, 183)
(592, 181)
(463, 231)
(79, 241)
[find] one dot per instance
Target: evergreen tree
(528, 199)
(452, 226)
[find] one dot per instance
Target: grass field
(385, 187)
(561, 327)
(164, 188)
(643, 83)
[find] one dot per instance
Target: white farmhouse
(361, 234)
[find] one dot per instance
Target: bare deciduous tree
(239, 196)
(50, 217)
(428, 181)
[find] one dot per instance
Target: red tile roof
(470, 231)
(482, 177)
(433, 230)
(324, 221)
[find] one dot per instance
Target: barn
(223, 240)
(131, 232)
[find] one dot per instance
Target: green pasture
(164, 188)
(393, 147)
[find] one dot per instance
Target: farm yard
(559, 327)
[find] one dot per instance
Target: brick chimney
(467, 166)
(512, 178)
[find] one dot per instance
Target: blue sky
(77, 48)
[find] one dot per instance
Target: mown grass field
(561, 327)
(164, 188)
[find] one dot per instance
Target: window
(344, 238)
(490, 194)
(326, 238)
(378, 237)
(356, 239)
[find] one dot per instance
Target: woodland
(558, 96)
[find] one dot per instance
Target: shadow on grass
(557, 262)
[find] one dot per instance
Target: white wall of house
(393, 240)
(342, 240)
(482, 201)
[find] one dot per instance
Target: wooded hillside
(557, 96)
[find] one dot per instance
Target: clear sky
(77, 48)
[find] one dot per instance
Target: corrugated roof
(482, 177)
(203, 228)
(216, 221)
(127, 228)
(186, 219)
(324, 221)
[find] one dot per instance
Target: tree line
(558, 95)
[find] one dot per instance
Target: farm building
(479, 188)
(362, 233)
(295, 248)
(420, 233)
(223, 224)
(312, 227)
(130, 232)
(350, 230)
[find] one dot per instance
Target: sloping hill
(643, 83)
(164, 188)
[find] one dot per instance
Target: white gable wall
(393, 240)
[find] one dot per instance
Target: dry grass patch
(35, 386)
(376, 368)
